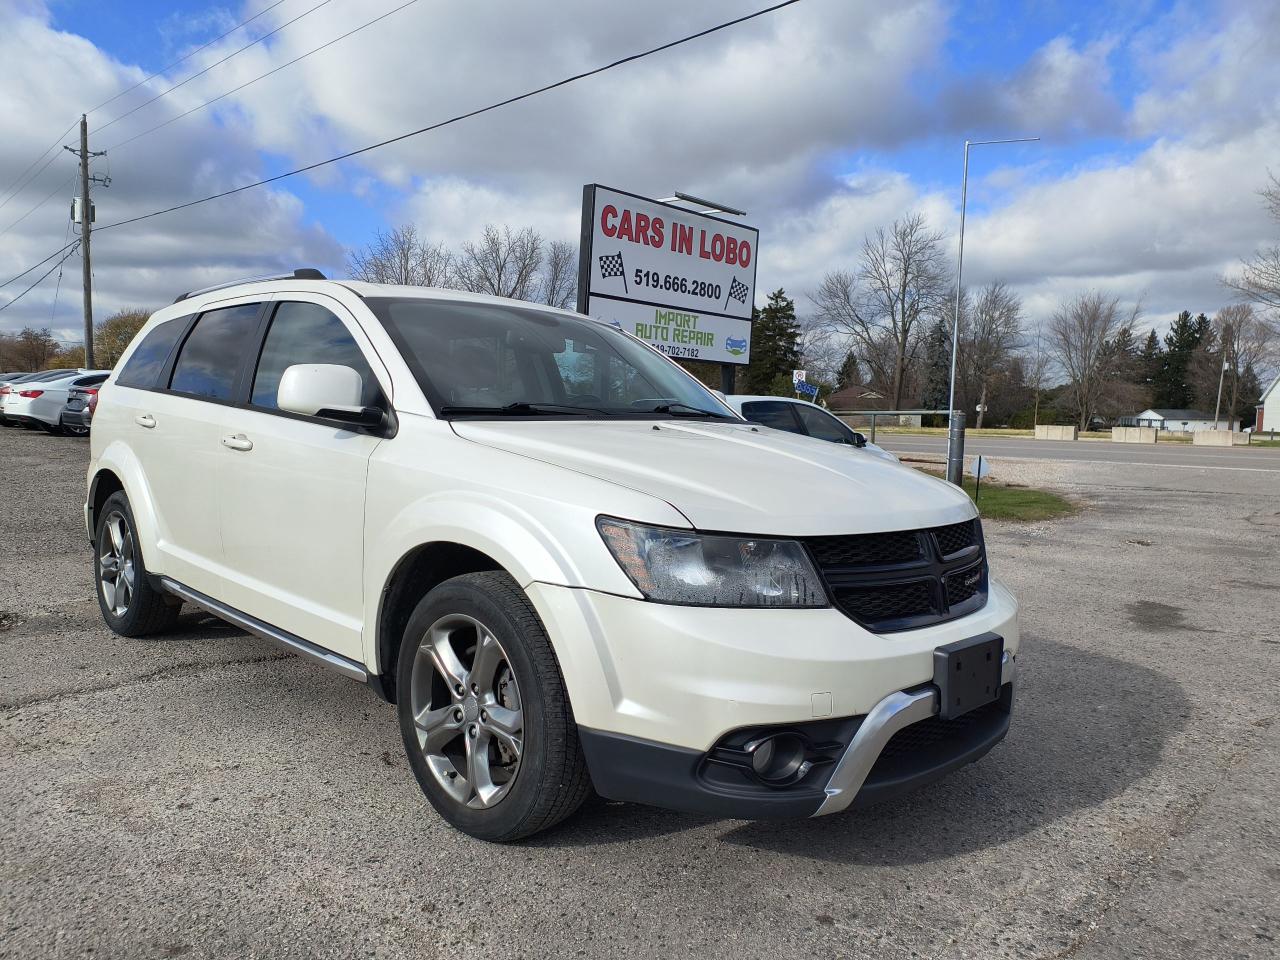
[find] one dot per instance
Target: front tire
(130, 605)
(484, 713)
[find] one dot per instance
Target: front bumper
(898, 747)
(658, 690)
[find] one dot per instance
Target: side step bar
(282, 638)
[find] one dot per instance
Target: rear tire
(73, 429)
(484, 714)
(130, 605)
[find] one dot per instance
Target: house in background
(1269, 408)
(1178, 421)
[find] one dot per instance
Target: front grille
(963, 585)
(872, 549)
(933, 732)
(890, 601)
(905, 579)
(956, 537)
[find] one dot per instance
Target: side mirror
(858, 439)
(326, 390)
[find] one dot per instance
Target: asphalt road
(202, 795)
(1177, 455)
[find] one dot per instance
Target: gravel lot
(202, 795)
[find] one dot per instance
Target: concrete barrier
(1048, 431)
(1133, 434)
(1219, 438)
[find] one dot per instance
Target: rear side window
(146, 364)
(772, 413)
(823, 426)
(211, 358)
(307, 333)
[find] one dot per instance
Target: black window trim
(243, 386)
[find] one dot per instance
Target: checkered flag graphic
(611, 266)
(737, 291)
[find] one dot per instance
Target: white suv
(566, 562)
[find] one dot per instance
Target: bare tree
(994, 332)
(30, 349)
(1259, 277)
(559, 286)
(503, 263)
(401, 256)
(901, 277)
(1036, 367)
(1081, 331)
(1248, 341)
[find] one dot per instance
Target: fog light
(778, 759)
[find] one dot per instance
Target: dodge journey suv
(568, 564)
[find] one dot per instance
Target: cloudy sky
(824, 120)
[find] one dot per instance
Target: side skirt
(282, 638)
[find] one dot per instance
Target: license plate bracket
(967, 674)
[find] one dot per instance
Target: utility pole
(86, 227)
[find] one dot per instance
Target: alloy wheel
(117, 572)
(467, 711)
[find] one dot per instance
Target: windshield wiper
(523, 408)
(677, 409)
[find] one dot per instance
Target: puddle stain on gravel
(1159, 617)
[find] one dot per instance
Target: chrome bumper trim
(290, 642)
(899, 709)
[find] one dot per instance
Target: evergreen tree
(937, 359)
(1250, 392)
(775, 346)
(1150, 362)
(848, 375)
(1173, 387)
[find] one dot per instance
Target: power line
(39, 263)
(456, 119)
(56, 190)
(248, 83)
(38, 282)
(19, 187)
(200, 73)
(182, 59)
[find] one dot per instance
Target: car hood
(737, 477)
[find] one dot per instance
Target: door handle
(145, 420)
(237, 441)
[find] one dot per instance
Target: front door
(293, 488)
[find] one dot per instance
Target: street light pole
(955, 323)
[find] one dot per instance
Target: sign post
(682, 281)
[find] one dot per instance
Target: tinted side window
(211, 357)
(823, 425)
(307, 333)
(772, 413)
(147, 363)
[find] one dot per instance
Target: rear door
(176, 429)
(293, 487)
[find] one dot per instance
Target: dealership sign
(682, 281)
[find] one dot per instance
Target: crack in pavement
(164, 673)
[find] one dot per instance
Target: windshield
(481, 359)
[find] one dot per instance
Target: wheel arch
(118, 469)
(414, 575)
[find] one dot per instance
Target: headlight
(680, 566)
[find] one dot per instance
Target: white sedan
(802, 417)
(43, 402)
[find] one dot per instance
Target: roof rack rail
(302, 273)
